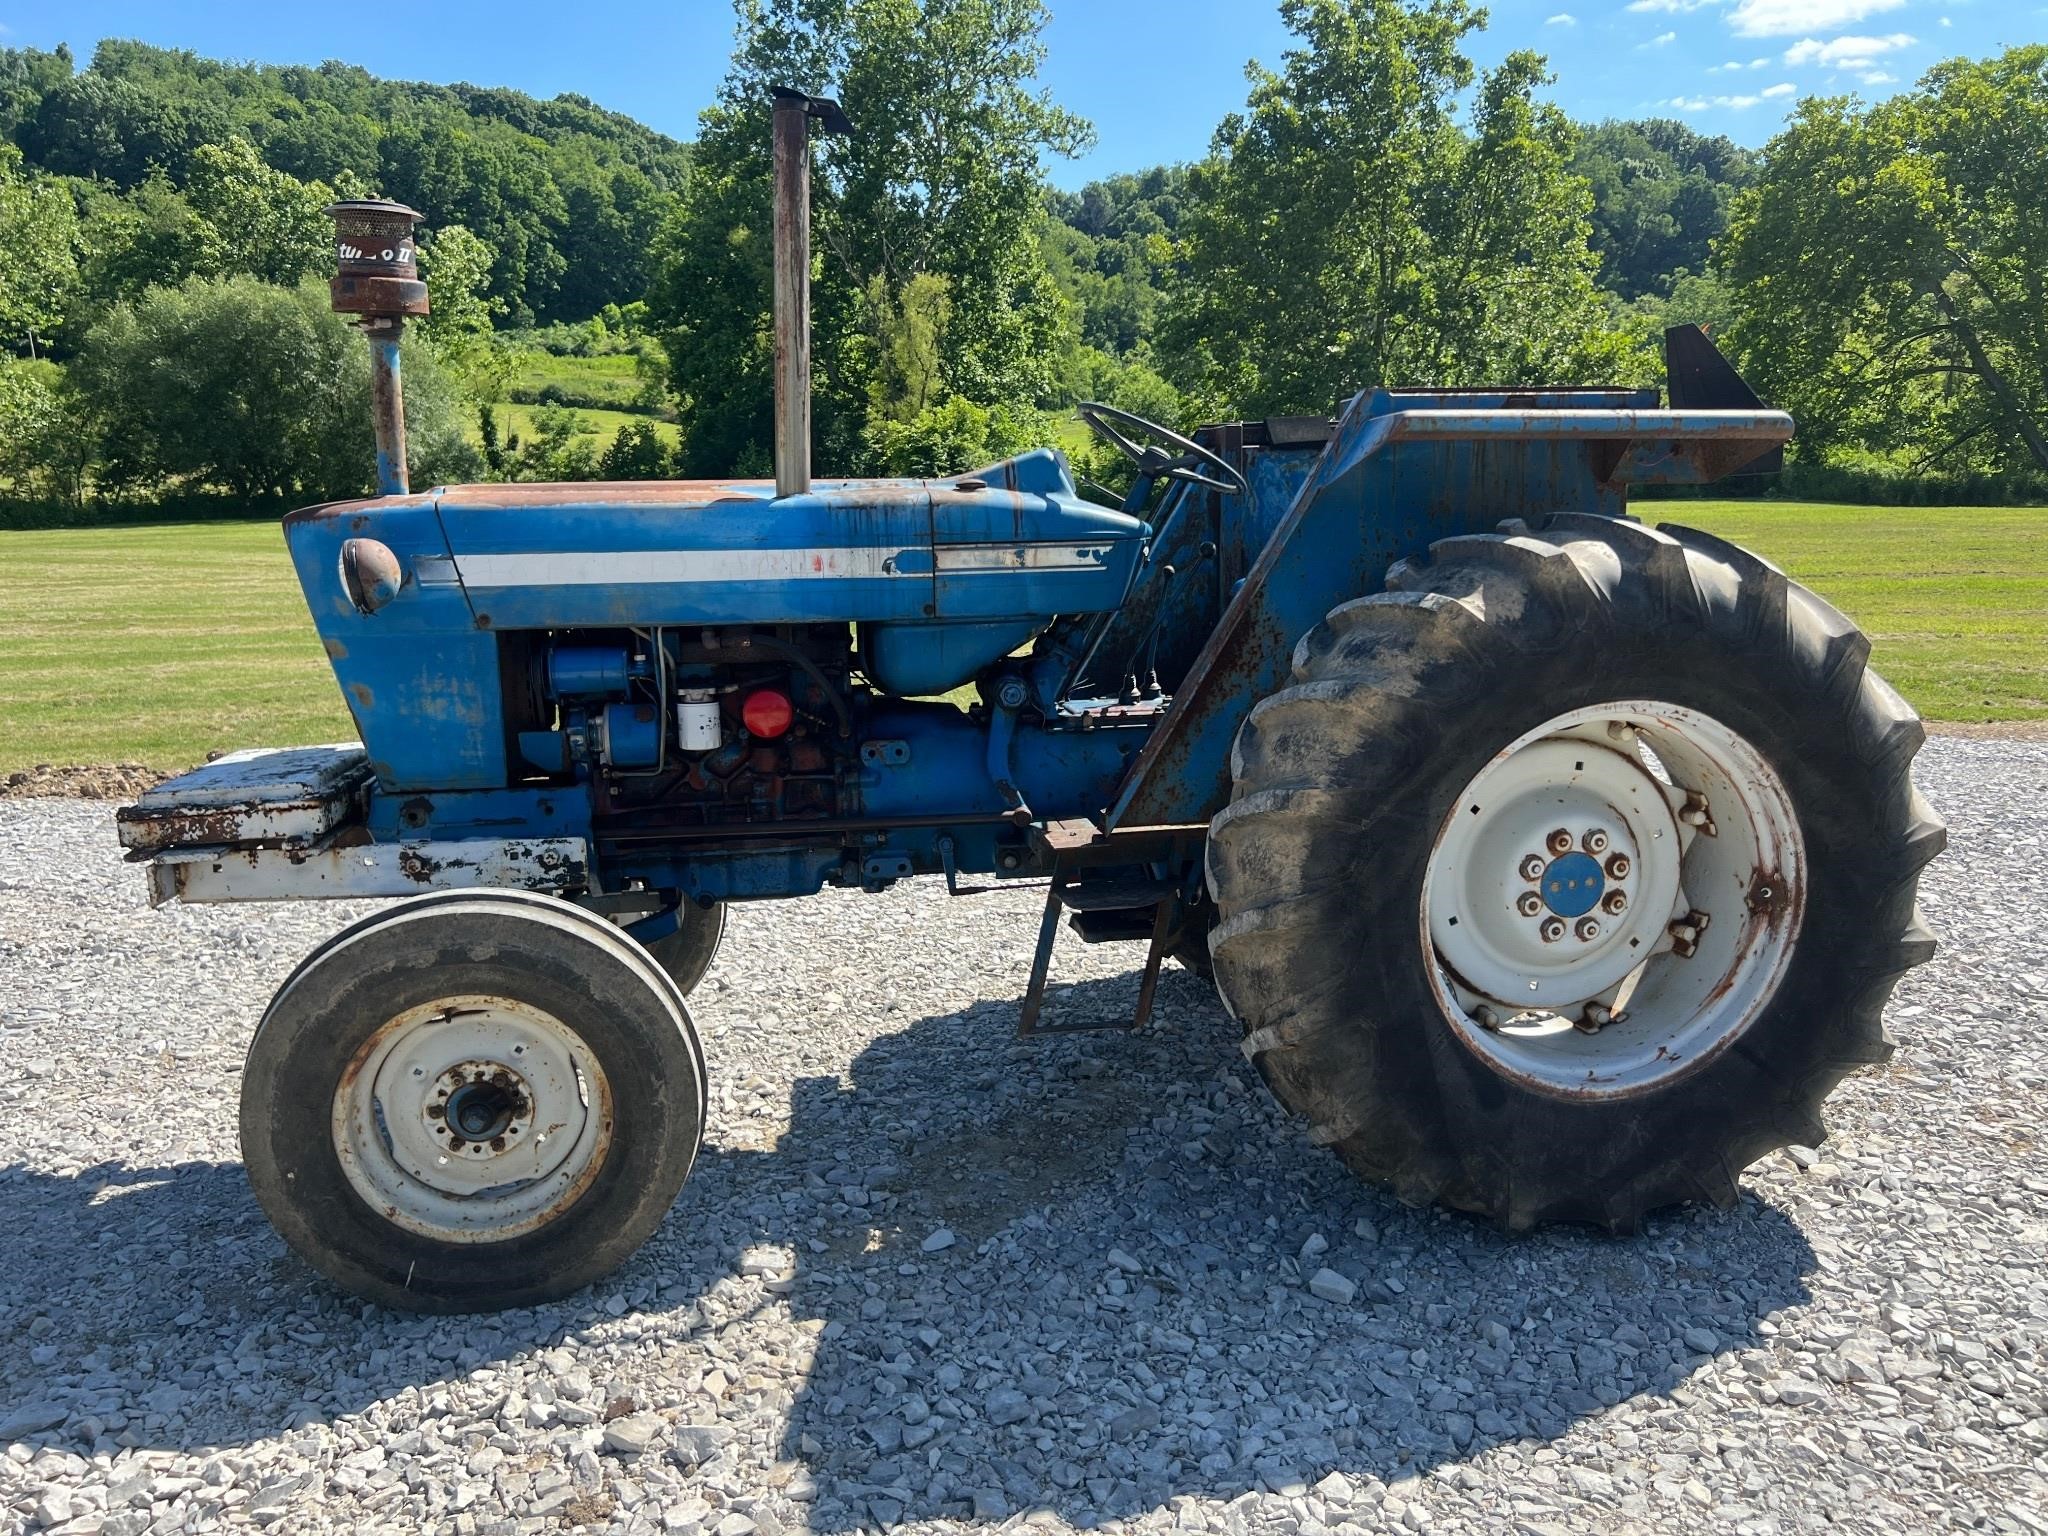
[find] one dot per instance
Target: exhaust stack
(794, 113)
(378, 282)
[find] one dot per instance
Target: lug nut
(1614, 903)
(1685, 935)
(1486, 1018)
(1588, 929)
(1533, 867)
(1618, 867)
(1596, 1017)
(1528, 904)
(1560, 841)
(1595, 841)
(1552, 929)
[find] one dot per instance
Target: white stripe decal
(957, 559)
(671, 567)
(668, 567)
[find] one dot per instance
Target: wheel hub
(472, 1119)
(1591, 898)
(1516, 889)
(1571, 886)
(479, 1108)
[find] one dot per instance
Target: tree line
(1378, 210)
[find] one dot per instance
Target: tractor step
(1117, 925)
(1106, 880)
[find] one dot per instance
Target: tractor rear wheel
(473, 1101)
(1571, 872)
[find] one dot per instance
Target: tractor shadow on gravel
(1123, 1314)
(1121, 1317)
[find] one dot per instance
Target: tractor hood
(942, 576)
(1014, 541)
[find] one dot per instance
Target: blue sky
(1153, 75)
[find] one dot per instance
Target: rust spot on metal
(336, 651)
(416, 867)
(360, 695)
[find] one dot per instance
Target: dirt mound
(104, 781)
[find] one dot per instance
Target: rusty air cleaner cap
(378, 271)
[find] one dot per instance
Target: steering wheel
(1111, 425)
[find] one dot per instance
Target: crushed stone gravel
(1136, 1323)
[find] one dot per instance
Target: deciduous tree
(38, 266)
(1891, 268)
(940, 181)
(1353, 227)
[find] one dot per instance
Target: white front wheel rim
(1614, 898)
(472, 1119)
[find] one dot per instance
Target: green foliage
(566, 195)
(1891, 266)
(1110, 248)
(256, 220)
(38, 265)
(1661, 195)
(562, 446)
(252, 389)
(456, 267)
(952, 437)
(940, 181)
(1349, 230)
(42, 451)
(635, 453)
(909, 329)
(148, 238)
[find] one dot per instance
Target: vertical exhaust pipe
(794, 112)
(378, 282)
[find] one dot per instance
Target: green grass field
(613, 380)
(604, 425)
(158, 644)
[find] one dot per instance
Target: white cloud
(1561, 19)
(1661, 40)
(1878, 77)
(1722, 69)
(1771, 92)
(1788, 18)
(1670, 7)
(1759, 63)
(1711, 103)
(1856, 55)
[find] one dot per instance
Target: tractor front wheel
(472, 1101)
(1571, 872)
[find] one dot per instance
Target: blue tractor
(1555, 866)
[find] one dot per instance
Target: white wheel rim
(1613, 898)
(472, 1119)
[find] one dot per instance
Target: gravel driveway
(926, 1276)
